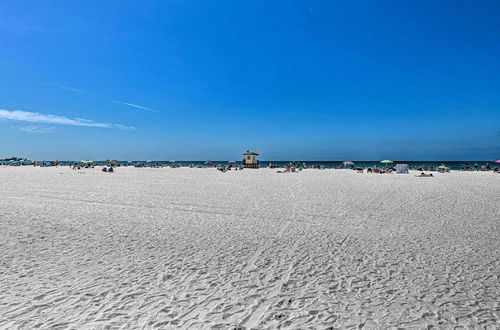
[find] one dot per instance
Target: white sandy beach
(200, 249)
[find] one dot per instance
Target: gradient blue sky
(313, 80)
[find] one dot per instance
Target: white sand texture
(200, 249)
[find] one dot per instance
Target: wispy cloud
(137, 106)
(38, 129)
(35, 117)
(76, 90)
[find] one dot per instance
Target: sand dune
(253, 249)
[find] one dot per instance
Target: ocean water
(454, 165)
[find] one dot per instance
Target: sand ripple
(196, 249)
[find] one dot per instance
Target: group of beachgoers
(106, 169)
(476, 167)
(228, 167)
(441, 168)
(290, 167)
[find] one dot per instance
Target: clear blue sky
(309, 80)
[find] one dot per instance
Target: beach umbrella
(443, 167)
(497, 161)
(386, 161)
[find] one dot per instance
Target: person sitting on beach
(104, 169)
(423, 175)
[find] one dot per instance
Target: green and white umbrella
(386, 161)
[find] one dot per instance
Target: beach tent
(402, 169)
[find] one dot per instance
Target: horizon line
(281, 160)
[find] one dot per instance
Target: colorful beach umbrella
(497, 161)
(443, 167)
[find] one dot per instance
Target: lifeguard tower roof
(250, 153)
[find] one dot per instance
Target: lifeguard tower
(250, 159)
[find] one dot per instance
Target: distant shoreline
(475, 165)
(272, 161)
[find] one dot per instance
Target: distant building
(250, 159)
